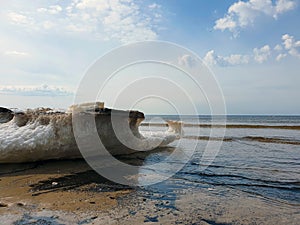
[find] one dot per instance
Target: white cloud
(278, 47)
(187, 60)
(53, 9)
(287, 41)
(294, 52)
(284, 6)
(242, 14)
(121, 20)
(154, 6)
(232, 60)
(102, 5)
(262, 54)
(291, 45)
(280, 57)
(43, 90)
(225, 23)
(16, 53)
(236, 59)
(210, 58)
(20, 19)
(259, 55)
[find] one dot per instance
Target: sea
(258, 155)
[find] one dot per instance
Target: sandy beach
(69, 192)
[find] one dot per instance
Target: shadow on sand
(72, 174)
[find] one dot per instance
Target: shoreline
(229, 126)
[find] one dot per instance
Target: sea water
(261, 160)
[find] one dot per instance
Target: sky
(252, 47)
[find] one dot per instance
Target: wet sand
(69, 192)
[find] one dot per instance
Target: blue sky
(252, 46)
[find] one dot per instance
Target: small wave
(283, 192)
(271, 140)
(206, 138)
(251, 168)
(239, 180)
(246, 138)
(230, 126)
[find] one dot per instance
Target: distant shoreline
(230, 126)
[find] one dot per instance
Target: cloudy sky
(252, 46)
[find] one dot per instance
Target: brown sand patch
(56, 185)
